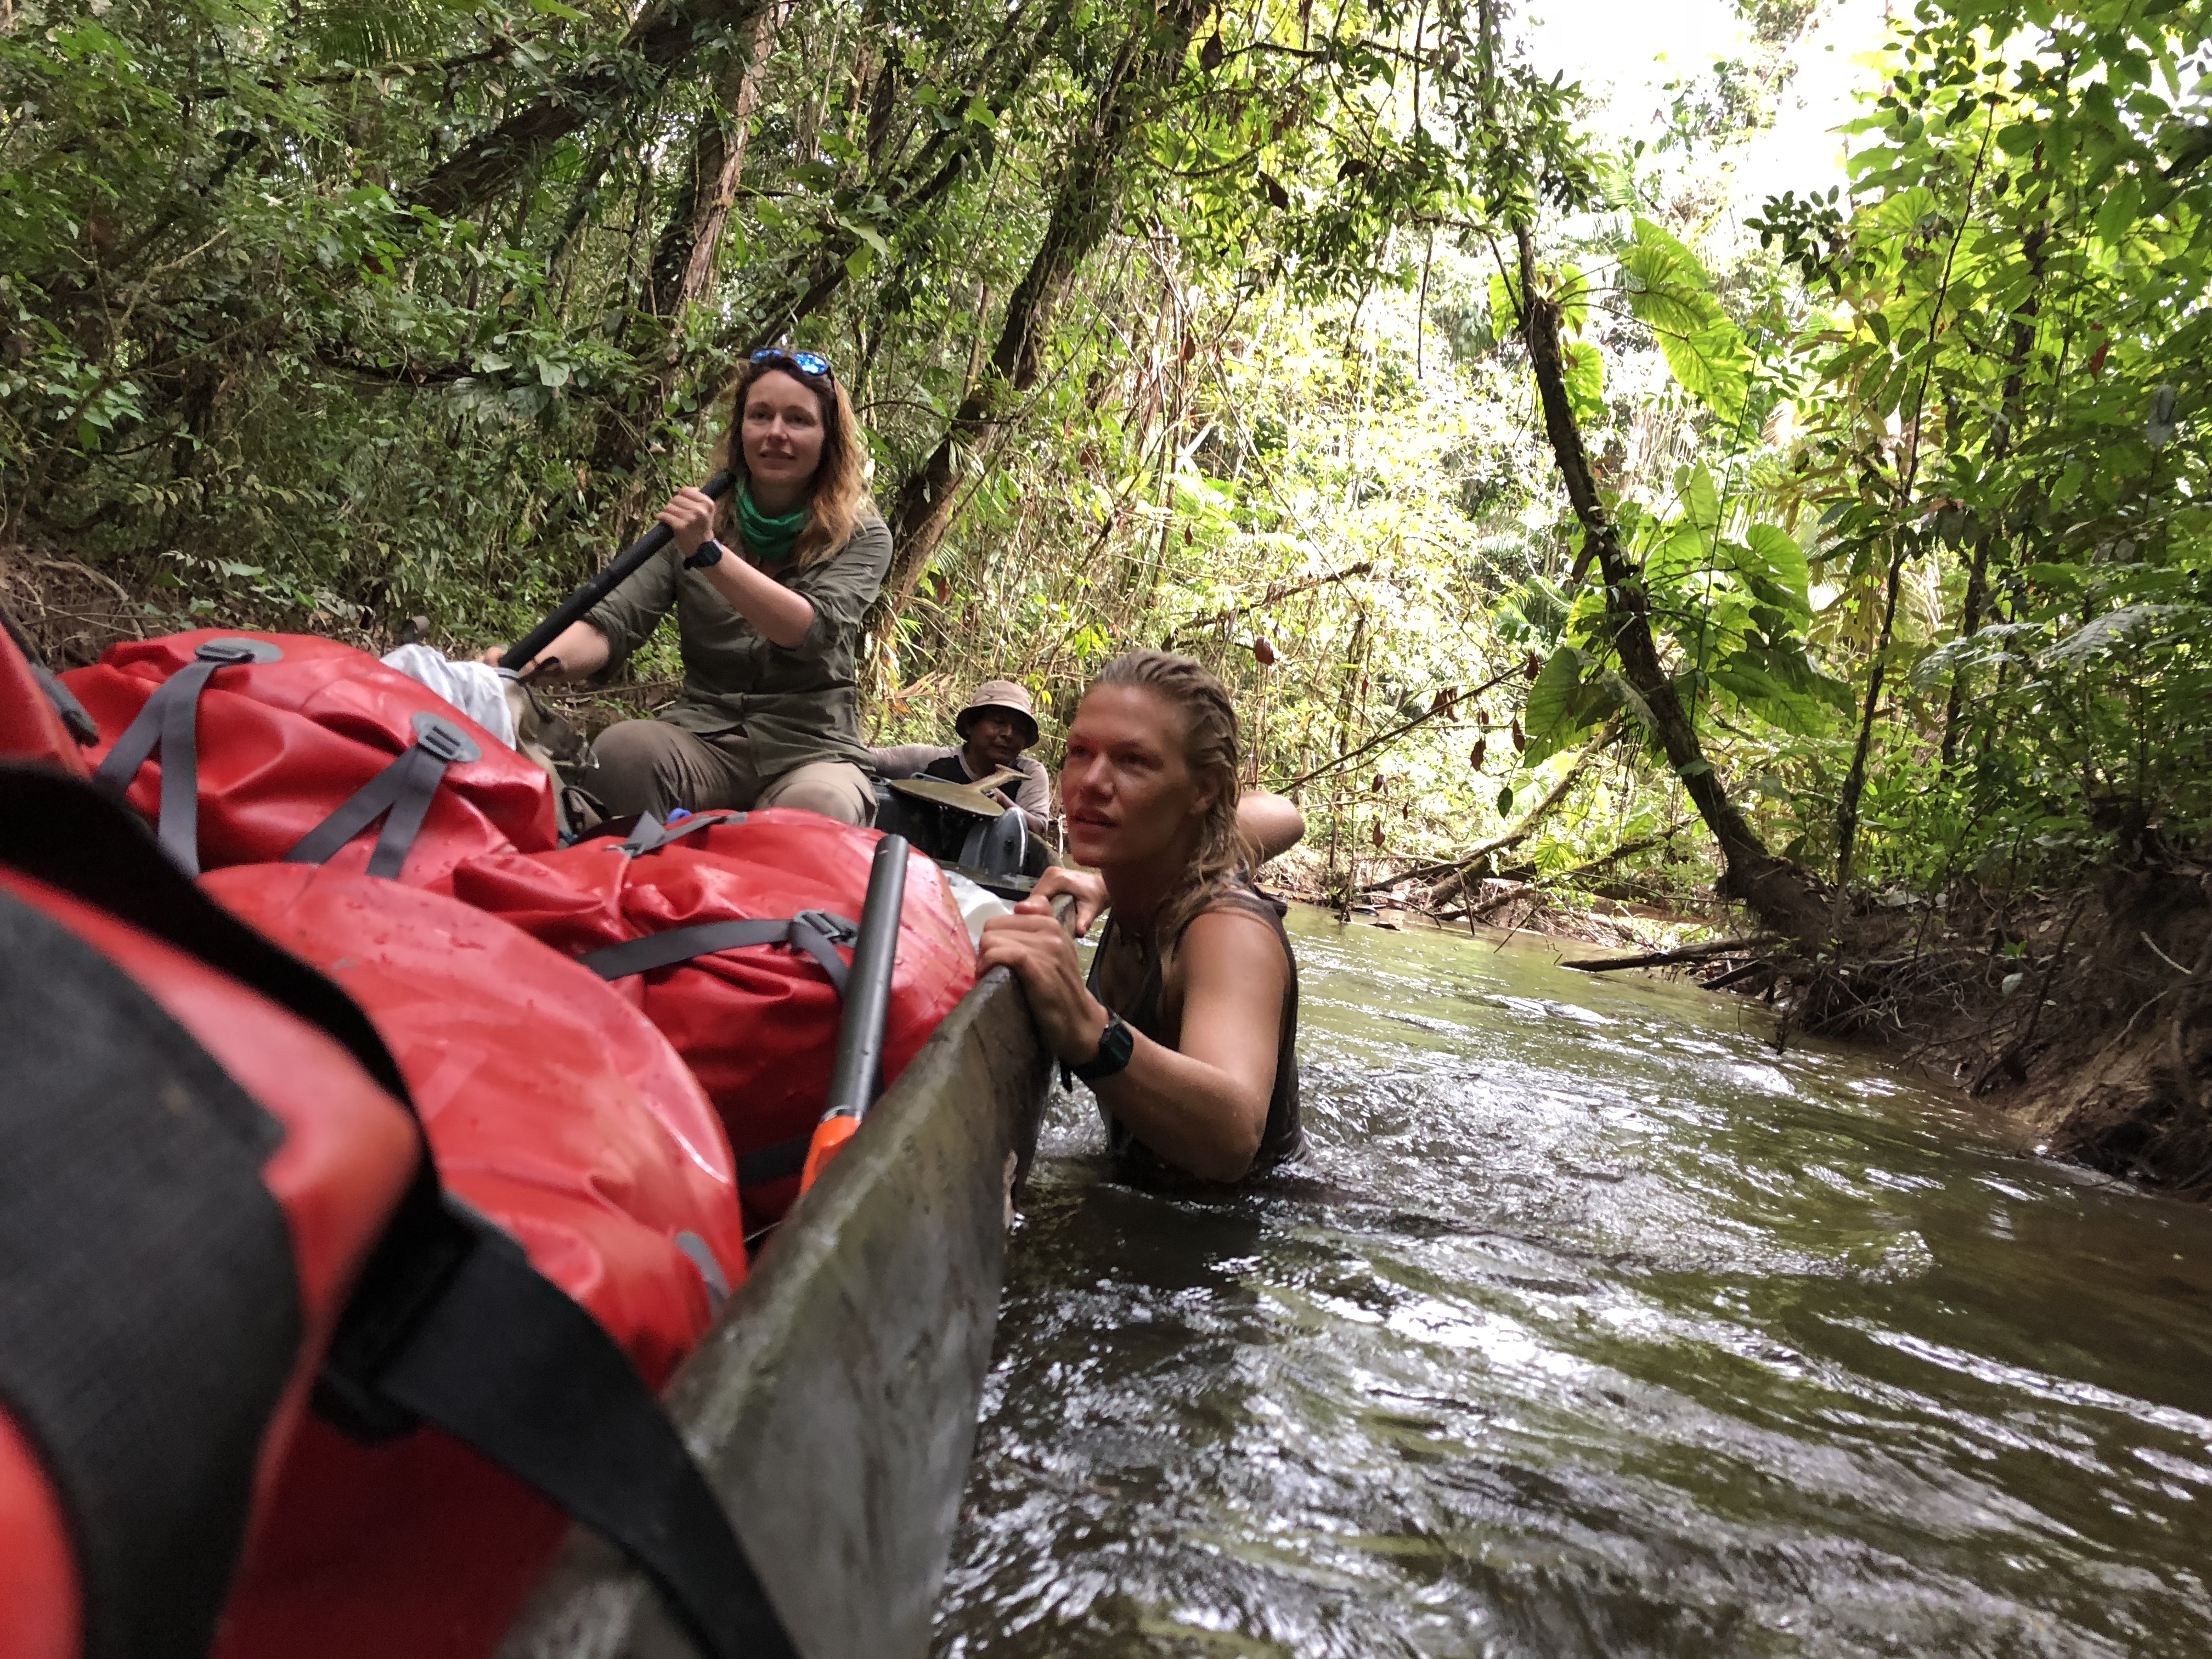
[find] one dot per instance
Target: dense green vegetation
(1326, 342)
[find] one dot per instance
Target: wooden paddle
(960, 797)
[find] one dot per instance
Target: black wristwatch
(710, 552)
(1115, 1044)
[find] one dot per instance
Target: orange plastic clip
(830, 1138)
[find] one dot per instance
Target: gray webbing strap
(651, 835)
(400, 794)
(168, 724)
(815, 932)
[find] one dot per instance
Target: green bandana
(768, 540)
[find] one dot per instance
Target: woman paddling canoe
(768, 590)
(1188, 1027)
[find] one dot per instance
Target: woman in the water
(1187, 1025)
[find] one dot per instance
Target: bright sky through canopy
(1625, 51)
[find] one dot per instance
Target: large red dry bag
(553, 1108)
(262, 748)
(213, 1197)
(39, 718)
(731, 931)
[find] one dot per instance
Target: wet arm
(1271, 823)
(1203, 1107)
(578, 652)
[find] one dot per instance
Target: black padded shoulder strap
(124, 1145)
(818, 933)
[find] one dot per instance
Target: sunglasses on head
(808, 362)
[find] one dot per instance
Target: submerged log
(1719, 947)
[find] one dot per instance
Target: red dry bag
(729, 930)
(555, 1109)
(268, 748)
(40, 720)
(213, 1195)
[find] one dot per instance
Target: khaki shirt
(796, 705)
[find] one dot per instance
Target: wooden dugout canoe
(833, 1406)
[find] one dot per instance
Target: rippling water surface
(1592, 1326)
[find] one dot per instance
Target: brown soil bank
(2084, 1015)
(2118, 1070)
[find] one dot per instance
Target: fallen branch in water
(1455, 883)
(1737, 976)
(1482, 907)
(1719, 947)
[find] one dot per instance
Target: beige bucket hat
(1001, 694)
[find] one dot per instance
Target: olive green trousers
(650, 766)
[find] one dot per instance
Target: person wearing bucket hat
(996, 725)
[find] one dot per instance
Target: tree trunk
(663, 37)
(684, 260)
(1082, 210)
(711, 217)
(1783, 894)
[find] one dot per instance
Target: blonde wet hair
(1211, 750)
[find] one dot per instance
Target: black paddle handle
(518, 654)
(860, 1061)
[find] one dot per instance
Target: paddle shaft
(859, 1069)
(618, 569)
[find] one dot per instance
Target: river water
(1590, 1325)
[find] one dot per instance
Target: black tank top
(1283, 1139)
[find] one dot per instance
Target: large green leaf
(1774, 565)
(1779, 685)
(1571, 288)
(1504, 304)
(1668, 292)
(1585, 380)
(1683, 554)
(1570, 695)
(1700, 497)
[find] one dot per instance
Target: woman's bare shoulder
(1235, 936)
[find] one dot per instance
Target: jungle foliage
(1325, 343)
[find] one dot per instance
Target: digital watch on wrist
(710, 552)
(1115, 1044)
